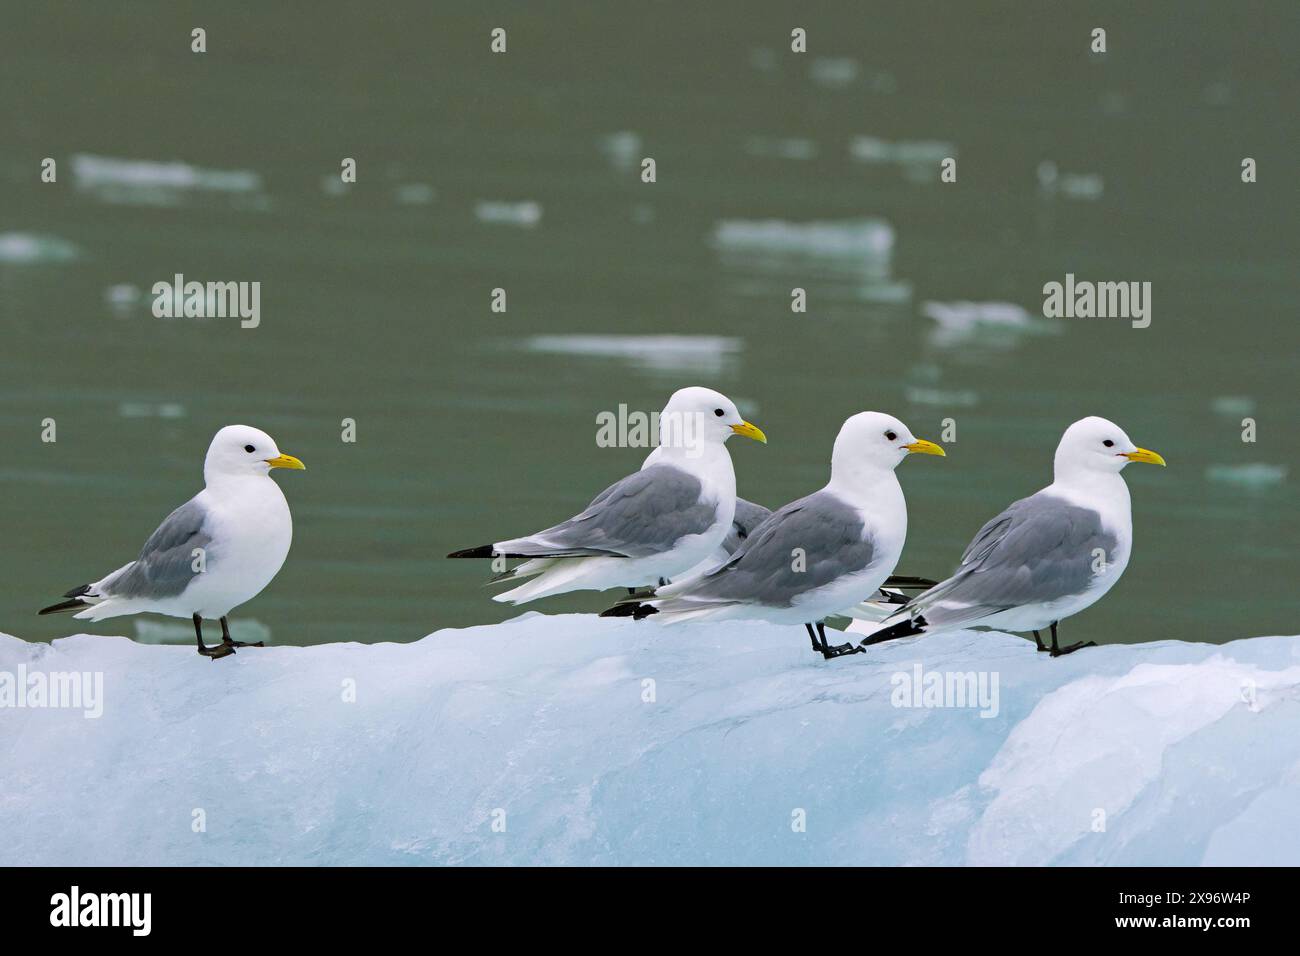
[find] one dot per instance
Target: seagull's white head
(876, 441)
(698, 415)
(1096, 445)
(239, 450)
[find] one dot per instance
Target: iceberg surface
(573, 739)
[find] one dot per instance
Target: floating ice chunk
(833, 71)
(1253, 475)
(123, 299)
(919, 160)
(622, 149)
(870, 149)
(22, 248)
(991, 323)
(526, 215)
(1233, 405)
(872, 239)
(148, 182)
(151, 410)
(702, 354)
(1083, 186)
(414, 194)
(605, 741)
(332, 184)
(1077, 760)
(849, 259)
(781, 147)
(944, 398)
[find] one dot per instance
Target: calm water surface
(520, 172)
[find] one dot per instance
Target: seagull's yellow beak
(1142, 454)
(923, 447)
(750, 431)
(286, 461)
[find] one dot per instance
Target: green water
(375, 297)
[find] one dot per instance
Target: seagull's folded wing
(167, 562)
(644, 514)
(802, 546)
(1040, 549)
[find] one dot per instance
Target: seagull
(1045, 557)
(814, 557)
(750, 515)
(648, 527)
(210, 555)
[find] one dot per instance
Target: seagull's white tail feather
(525, 570)
(109, 607)
(871, 611)
(529, 568)
(676, 610)
(683, 615)
(575, 574)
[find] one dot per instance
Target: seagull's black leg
(218, 650)
(227, 642)
(1057, 651)
(1039, 641)
(839, 650)
(812, 635)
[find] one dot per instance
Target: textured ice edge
(746, 748)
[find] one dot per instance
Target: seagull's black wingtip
(73, 605)
(632, 609)
(482, 551)
(908, 628)
(908, 581)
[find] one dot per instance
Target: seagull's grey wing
(644, 514)
(748, 517)
(1041, 549)
(166, 563)
(798, 548)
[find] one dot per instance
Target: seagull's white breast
(251, 531)
(1110, 499)
(883, 511)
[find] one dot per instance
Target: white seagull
(1045, 557)
(750, 515)
(649, 527)
(213, 553)
(814, 557)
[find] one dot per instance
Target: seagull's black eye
(1108, 443)
(248, 448)
(718, 412)
(890, 436)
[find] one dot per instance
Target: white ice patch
(700, 354)
(1092, 750)
(574, 739)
